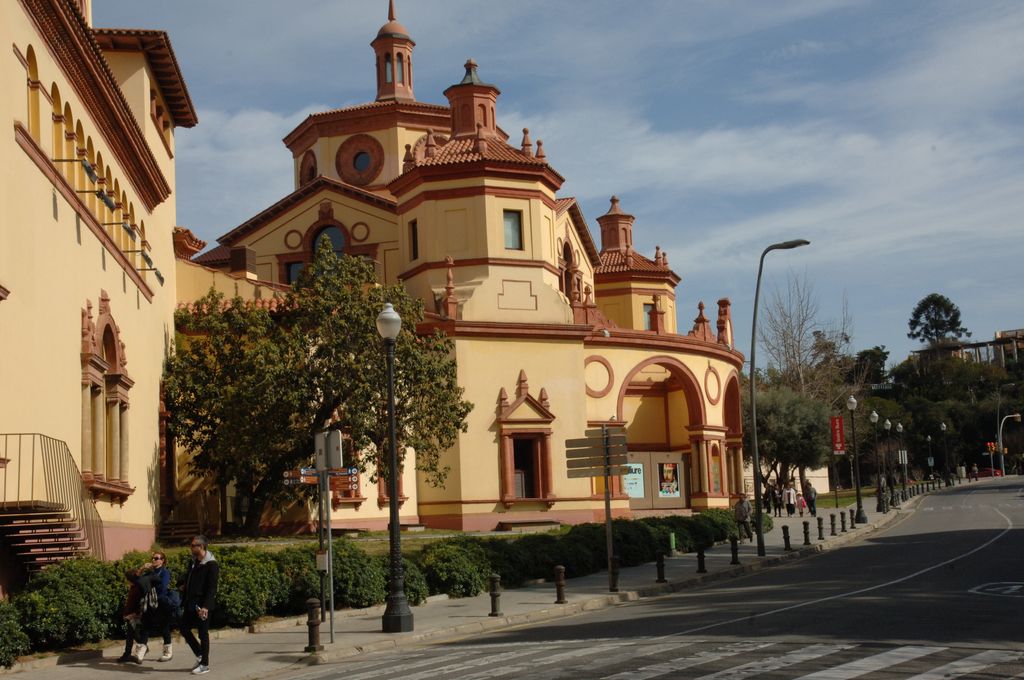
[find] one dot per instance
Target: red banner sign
(838, 435)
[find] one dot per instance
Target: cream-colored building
(87, 279)
(554, 333)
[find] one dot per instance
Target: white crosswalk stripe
(776, 663)
(622, 659)
(870, 664)
(683, 662)
(972, 664)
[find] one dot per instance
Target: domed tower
(393, 48)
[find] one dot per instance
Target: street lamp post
(879, 494)
(885, 462)
(945, 454)
(930, 459)
(999, 437)
(903, 459)
(785, 245)
(891, 478)
(851, 405)
(999, 404)
(397, 615)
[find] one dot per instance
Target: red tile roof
(157, 47)
(621, 261)
(464, 150)
(213, 257)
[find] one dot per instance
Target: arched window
(33, 94)
(400, 77)
(335, 236)
(387, 68)
(566, 278)
(57, 126)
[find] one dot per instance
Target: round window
(361, 161)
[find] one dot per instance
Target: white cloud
(232, 166)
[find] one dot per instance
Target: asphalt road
(939, 594)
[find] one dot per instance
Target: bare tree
(806, 354)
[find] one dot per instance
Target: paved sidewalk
(277, 647)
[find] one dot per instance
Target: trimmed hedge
(13, 641)
(79, 601)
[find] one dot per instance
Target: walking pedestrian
(742, 513)
(768, 498)
(811, 496)
(159, 613)
(789, 497)
(801, 504)
(131, 614)
(200, 594)
(777, 498)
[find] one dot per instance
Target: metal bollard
(660, 563)
(313, 622)
(853, 520)
(560, 585)
(495, 595)
(832, 522)
(734, 545)
(785, 537)
(807, 532)
(842, 518)
(701, 569)
(613, 582)
(821, 528)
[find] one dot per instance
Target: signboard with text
(838, 435)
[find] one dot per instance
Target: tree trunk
(222, 491)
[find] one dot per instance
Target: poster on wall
(668, 480)
(633, 481)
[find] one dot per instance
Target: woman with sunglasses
(159, 617)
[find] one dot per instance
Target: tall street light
(887, 425)
(851, 406)
(397, 615)
(785, 245)
(903, 459)
(945, 453)
(999, 404)
(879, 494)
(999, 437)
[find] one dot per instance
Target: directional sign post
(602, 453)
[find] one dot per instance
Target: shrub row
(79, 601)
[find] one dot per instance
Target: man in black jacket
(200, 594)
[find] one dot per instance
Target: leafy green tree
(870, 365)
(249, 389)
(936, 318)
(792, 432)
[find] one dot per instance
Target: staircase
(177, 532)
(41, 533)
(46, 514)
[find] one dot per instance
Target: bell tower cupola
(616, 228)
(393, 50)
(473, 104)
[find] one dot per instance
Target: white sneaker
(168, 653)
(200, 670)
(198, 663)
(140, 653)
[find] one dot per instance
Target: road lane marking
(972, 664)
(683, 662)
(874, 663)
(1002, 589)
(543, 661)
(861, 591)
(450, 667)
(777, 663)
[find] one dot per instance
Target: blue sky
(887, 133)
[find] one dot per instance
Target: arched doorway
(662, 405)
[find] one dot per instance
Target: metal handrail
(40, 468)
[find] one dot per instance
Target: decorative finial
(391, 10)
(657, 255)
(480, 145)
(544, 398)
(431, 146)
(409, 162)
(527, 145)
(614, 209)
(540, 150)
(451, 303)
(522, 386)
